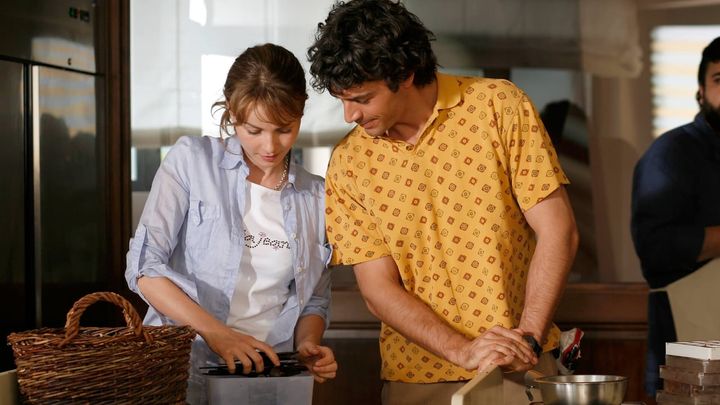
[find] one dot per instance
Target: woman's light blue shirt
(191, 231)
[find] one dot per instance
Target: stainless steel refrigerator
(52, 162)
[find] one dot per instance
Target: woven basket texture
(92, 365)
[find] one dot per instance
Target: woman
(232, 237)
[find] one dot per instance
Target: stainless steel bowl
(582, 389)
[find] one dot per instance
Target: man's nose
(352, 114)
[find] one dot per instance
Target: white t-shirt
(266, 271)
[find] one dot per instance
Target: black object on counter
(290, 365)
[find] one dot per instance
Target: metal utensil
(581, 389)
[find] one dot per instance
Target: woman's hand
(319, 360)
(231, 345)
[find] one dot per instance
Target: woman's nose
(271, 144)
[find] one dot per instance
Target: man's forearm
(545, 284)
(385, 297)
(557, 241)
(416, 321)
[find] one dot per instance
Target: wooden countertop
(586, 305)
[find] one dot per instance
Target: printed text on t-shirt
(253, 241)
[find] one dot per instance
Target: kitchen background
(93, 93)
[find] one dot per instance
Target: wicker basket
(134, 364)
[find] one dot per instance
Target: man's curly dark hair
(369, 40)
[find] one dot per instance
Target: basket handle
(132, 319)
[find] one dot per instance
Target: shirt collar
(449, 94)
(232, 156)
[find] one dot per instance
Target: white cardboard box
(698, 349)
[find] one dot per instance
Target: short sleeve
(351, 228)
(534, 167)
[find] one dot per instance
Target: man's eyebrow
(358, 97)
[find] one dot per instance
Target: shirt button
(300, 269)
(302, 302)
(293, 236)
(410, 147)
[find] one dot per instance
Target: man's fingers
(504, 345)
(491, 360)
(513, 334)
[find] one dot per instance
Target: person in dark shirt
(676, 208)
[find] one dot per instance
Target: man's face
(373, 106)
(710, 95)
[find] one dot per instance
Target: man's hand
(498, 346)
(319, 360)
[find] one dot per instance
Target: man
(676, 211)
(448, 201)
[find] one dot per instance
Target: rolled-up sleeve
(319, 302)
(160, 224)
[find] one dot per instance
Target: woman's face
(266, 144)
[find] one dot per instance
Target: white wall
(172, 89)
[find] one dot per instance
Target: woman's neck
(273, 178)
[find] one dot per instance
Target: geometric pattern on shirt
(449, 210)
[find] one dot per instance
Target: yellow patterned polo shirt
(449, 210)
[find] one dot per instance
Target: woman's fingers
(320, 361)
(323, 376)
(243, 359)
(230, 362)
(325, 357)
(309, 352)
(262, 346)
(256, 359)
(330, 368)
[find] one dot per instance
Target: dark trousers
(661, 329)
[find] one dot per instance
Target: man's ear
(407, 83)
(699, 95)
